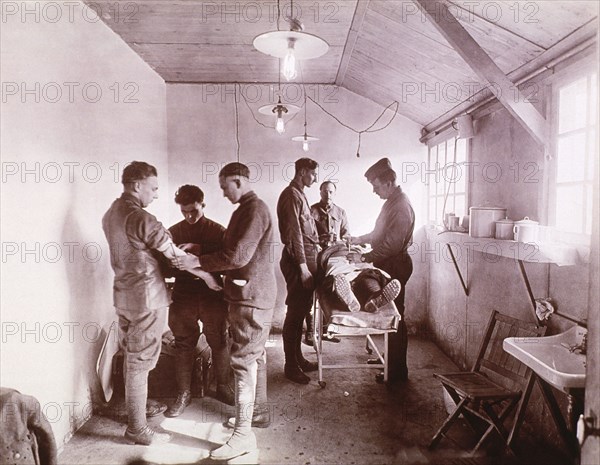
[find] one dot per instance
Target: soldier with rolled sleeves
(390, 241)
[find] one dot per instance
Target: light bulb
(305, 145)
(280, 126)
(289, 62)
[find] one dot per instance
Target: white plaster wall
(509, 170)
(202, 138)
(62, 154)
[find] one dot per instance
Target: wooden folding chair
(496, 385)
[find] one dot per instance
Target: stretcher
(343, 323)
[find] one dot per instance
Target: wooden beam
(481, 63)
(572, 45)
(357, 20)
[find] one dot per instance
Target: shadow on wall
(88, 287)
(416, 288)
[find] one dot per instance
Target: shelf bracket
(462, 281)
(528, 286)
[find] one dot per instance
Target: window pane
(460, 207)
(570, 164)
(461, 179)
(450, 173)
(569, 208)
(572, 106)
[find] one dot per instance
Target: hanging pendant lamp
(291, 45)
(305, 138)
(280, 110)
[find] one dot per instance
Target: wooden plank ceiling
(384, 50)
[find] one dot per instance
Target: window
(447, 179)
(575, 155)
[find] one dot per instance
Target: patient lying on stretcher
(349, 284)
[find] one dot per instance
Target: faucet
(578, 348)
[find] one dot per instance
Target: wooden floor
(353, 420)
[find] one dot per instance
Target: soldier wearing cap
(390, 241)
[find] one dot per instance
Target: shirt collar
(246, 197)
(396, 193)
(297, 185)
(131, 198)
(326, 208)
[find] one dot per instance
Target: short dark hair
(188, 194)
(235, 169)
(324, 183)
(305, 164)
(137, 171)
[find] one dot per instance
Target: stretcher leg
(386, 369)
(381, 352)
(318, 339)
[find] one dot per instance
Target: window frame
(447, 138)
(557, 82)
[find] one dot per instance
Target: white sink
(553, 358)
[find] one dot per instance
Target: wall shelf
(548, 253)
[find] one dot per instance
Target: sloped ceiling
(385, 50)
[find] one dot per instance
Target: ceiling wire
(237, 123)
(369, 128)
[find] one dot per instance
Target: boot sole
(390, 291)
(344, 292)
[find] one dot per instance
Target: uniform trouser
(249, 327)
(299, 302)
(140, 335)
(398, 341)
(184, 313)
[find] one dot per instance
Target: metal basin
(556, 359)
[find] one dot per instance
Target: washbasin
(556, 359)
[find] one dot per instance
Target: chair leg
(495, 423)
(446, 425)
(466, 414)
(520, 414)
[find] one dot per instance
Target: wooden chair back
(497, 364)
